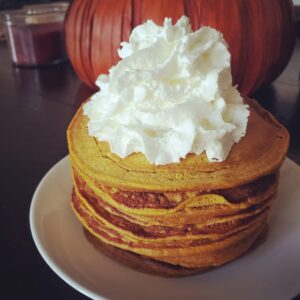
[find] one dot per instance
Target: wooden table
(36, 107)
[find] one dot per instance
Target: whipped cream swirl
(170, 94)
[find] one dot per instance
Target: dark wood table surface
(36, 107)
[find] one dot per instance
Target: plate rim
(41, 249)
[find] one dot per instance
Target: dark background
(11, 4)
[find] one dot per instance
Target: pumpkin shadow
(267, 97)
(287, 112)
(294, 130)
(83, 93)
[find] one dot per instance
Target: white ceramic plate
(271, 271)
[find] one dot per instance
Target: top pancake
(260, 152)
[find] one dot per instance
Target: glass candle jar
(35, 34)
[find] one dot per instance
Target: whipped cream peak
(170, 94)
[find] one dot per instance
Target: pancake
(188, 216)
(190, 246)
(138, 262)
(150, 266)
(200, 207)
(260, 152)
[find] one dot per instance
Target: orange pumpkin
(260, 33)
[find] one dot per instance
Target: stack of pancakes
(179, 218)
